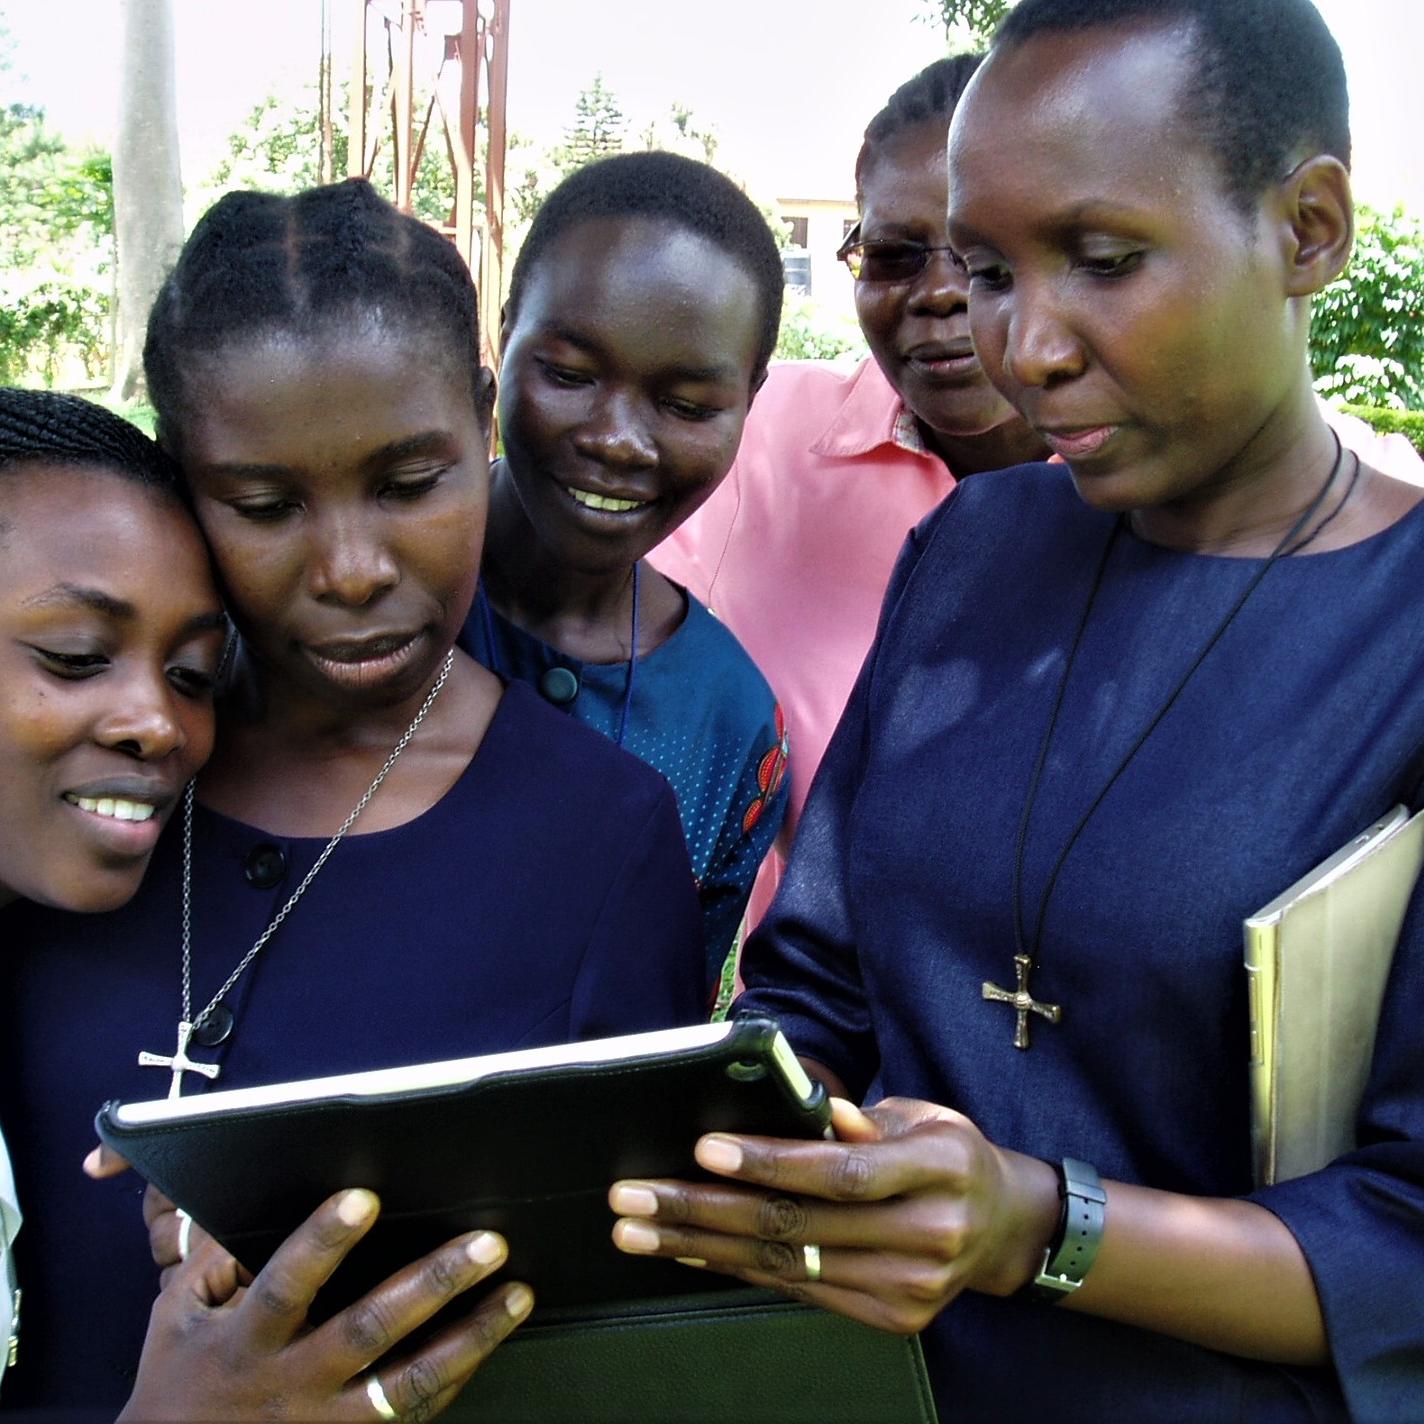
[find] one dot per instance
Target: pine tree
(597, 129)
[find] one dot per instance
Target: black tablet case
(532, 1154)
(733, 1357)
(529, 1154)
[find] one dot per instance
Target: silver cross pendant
(179, 1063)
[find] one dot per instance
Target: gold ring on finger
(811, 1255)
(378, 1399)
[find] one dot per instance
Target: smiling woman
(110, 634)
(642, 313)
(391, 857)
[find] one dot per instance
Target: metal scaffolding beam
(418, 66)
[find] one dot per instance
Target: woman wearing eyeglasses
(794, 550)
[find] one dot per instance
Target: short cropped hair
(933, 94)
(258, 263)
(670, 188)
(1269, 88)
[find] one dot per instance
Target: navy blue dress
(546, 897)
(702, 714)
(1293, 735)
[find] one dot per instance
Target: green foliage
(1408, 423)
(809, 334)
(56, 248)
(597, 130)
(681, 133)
(50, 326)
(1367, 333)
(972, 20)
(278, 150)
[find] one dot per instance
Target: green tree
(597, 128)
(809, 334)
(681, 133)
(56, 247)
(278, 150)
(1367, 333)
(965, 21)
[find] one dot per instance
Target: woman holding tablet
(1112, 709)
(107, 663)
(391, 857)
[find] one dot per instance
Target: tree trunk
(148, 186)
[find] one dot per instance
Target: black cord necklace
(1020, 998)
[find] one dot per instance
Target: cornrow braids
(1268, 87)
(261, 263)
(932, 94)
(666, 187)
(43, 426)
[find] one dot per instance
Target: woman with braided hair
(110, 638)
(107, 659)
(392, 856)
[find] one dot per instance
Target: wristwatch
(1080, 1232)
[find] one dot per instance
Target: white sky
(788, 84)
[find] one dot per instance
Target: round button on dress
(264, 866)
(559, 685)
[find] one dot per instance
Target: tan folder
(1317, 962)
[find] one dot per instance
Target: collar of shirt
(872, 414)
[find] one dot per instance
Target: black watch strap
(1080, 1232)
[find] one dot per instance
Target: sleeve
(643, 966)
(1360, 1221)
(754, 817)
(801, 965)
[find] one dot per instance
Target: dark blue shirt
(700, 713)
(1293, 735)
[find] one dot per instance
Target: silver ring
(378, 1399)
(185, 1234)
(811, 1255)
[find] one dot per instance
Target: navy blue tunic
(546, 897)
(702, 714)
(1294, 735)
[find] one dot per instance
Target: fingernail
(721, 1154)
(485, 1249)
(637, 1236)
(692, 1261)
(634, 1199)
(357, 1207)
(519, 1300)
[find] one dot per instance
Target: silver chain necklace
(179, 1063)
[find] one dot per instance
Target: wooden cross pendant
(1023, 1001)
(180, 1063)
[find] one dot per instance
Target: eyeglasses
(894, 260)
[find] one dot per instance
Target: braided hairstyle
(258, 264)
(669, 188)
(932, 94)
(1268, 87)
(44, 427)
